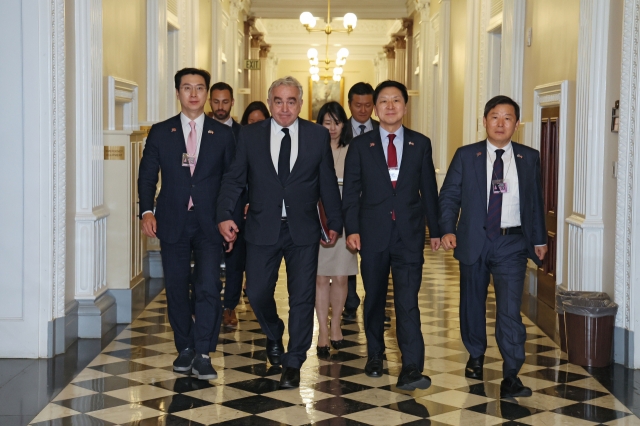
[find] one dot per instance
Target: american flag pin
(479, 154)
(411, 143)
(371, 144)
(173, 129)
(210, 132)
(519, 156)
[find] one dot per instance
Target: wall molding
(549, 95)
(124, 92)
(444, 33)
(470, 127)
(156, 61)
(627, 291)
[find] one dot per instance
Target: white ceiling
(364, 9)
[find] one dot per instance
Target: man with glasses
(192, 151)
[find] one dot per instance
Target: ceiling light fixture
(350, 20)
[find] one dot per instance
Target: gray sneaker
(203, 369)
(184, 361)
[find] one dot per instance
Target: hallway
(132, 383)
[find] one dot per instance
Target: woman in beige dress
(335, 262)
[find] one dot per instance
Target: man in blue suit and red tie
(192, 151)
(492, 214)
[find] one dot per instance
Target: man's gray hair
(286, 81)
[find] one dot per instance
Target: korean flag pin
(173, 129)
(410, 143)
(210, 132)
(479, 154)
(519, 156)
(371, 144)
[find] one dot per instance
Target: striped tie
(494, 212)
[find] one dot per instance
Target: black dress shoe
(275, 349)
(474, 368)
(184, 361)
(512, 387)
(349, 314)
(374, 366)
(410, 379)
(337, 344)
(290, 378)
(323, 350)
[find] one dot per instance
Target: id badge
(188, 160)
(393, 173)
(499, 186)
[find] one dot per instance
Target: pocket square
(410, 143)
(173, 129)
(479, 154)
(371, 144)
(519, 156)
(210, 132)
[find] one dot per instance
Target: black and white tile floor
(132, 383)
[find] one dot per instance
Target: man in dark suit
(491, 213)
(221, 101)
(192, 151)
(288, 165)
(360, 101)
(389, 189)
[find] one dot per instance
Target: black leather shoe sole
(422, 383)
(521, 391)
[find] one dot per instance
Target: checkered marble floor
(132, 383)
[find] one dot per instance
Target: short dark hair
(187, 71)
(360, 88)
(254, 106)
(336, 112)
(501, 100)
(221, 85)
(391, 83)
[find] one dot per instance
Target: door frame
(555, 95)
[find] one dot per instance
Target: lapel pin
(519, 156)
(479, 154)
(410, 143)
(210, 132)
(371, 144)
(173, 129)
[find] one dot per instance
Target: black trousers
(263, 263)
(406, 270)
(234, 268)
(353, 300)
(506, 259)
(176, 263)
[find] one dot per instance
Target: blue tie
(494, 212)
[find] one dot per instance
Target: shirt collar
(357, 124)
(186, 120)
(492, 148)
(276, 128)
(229, 122)
(399, 133)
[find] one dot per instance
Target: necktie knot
(391, 137)
(362, 127)
(285, 130)
(193, 125)
(499, 153)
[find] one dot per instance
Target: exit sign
(252, 64)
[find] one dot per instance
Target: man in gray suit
(492, 214)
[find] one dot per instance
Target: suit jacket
(368, 197)
(375, 123)
(464, 194)
(163, 153)
(312, 178)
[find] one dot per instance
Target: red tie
(392, 161)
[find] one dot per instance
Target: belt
(511, 231)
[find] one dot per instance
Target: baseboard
(96, 317)
(623, 347)
(152, 265)
(130, 302)
(63, 331)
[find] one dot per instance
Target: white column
(470, 122)
(255, 75)
(512, 55)
(156, 61)
(264, 72)
(216, 40)
(586, 226)
(96, 310)
(391, 62)
(627, 270)
(233, 54)
(400, 72)
(444, 32)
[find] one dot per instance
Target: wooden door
(549, 172)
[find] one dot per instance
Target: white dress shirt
(397, 142)
(186, 130)
(355, 125)
(276, 139)
(229, 122)
(511, 199)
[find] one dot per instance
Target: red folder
(324, 228)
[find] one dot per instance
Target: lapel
(521, 168)
(263, 143)
(480, 164)
(407, 153)
(206, 151)
(377, 153)
(302, 144)
(178, 139)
